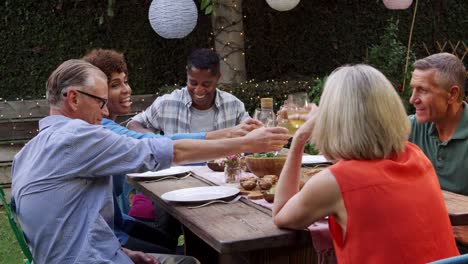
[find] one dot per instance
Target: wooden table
(457, 207)
(231, 233)
(243, 232)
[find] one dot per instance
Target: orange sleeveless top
(396, 213)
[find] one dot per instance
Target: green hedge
(311, 40)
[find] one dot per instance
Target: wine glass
(296, 104)
(283, 121)
(267, 117)
(298, 99)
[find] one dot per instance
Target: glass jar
(232, 173)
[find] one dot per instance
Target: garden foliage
(389, 56)
(311, 40)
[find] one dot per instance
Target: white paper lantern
(397, 4)
(282, 5)
(173, 18)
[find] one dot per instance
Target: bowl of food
(269, 195)
(265, 164)
(215, 165)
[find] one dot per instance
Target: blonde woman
(382, 195)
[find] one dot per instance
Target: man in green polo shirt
(440, 125)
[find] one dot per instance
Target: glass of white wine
(296, 104)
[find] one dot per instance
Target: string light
(224, 37)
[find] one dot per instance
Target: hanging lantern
(173, 18)
(397, 4)
(282, 5)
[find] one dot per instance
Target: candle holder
(232, 168)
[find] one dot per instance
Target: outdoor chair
(16, 230)
(462, 259)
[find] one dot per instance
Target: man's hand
(244, 128)
(139, 257)
(259, 140)
(267, 139)
(237, 131)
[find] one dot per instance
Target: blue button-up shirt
(122, 188)
(63, 190)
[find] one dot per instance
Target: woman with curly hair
(137, 230)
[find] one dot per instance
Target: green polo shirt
(450, 158)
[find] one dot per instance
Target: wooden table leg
(461, 236)
(294, 255)
(197, 248)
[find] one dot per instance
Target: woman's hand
(304, 132)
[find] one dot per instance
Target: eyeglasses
(101, 100)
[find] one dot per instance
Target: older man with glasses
(61, 179)
(101, 100)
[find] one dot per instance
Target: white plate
(162, 173)
(200, 194)
(313, 159)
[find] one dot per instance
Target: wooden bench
(19, 123)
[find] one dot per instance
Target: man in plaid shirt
(198, 107)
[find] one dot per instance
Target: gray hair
(361, 117)
(449, 69)
(71, 73)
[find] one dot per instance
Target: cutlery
(170, 178)
(216, 201)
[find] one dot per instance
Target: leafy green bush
(389, 56)
(38, 35)
(317, 88)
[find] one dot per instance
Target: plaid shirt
(171, 114)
